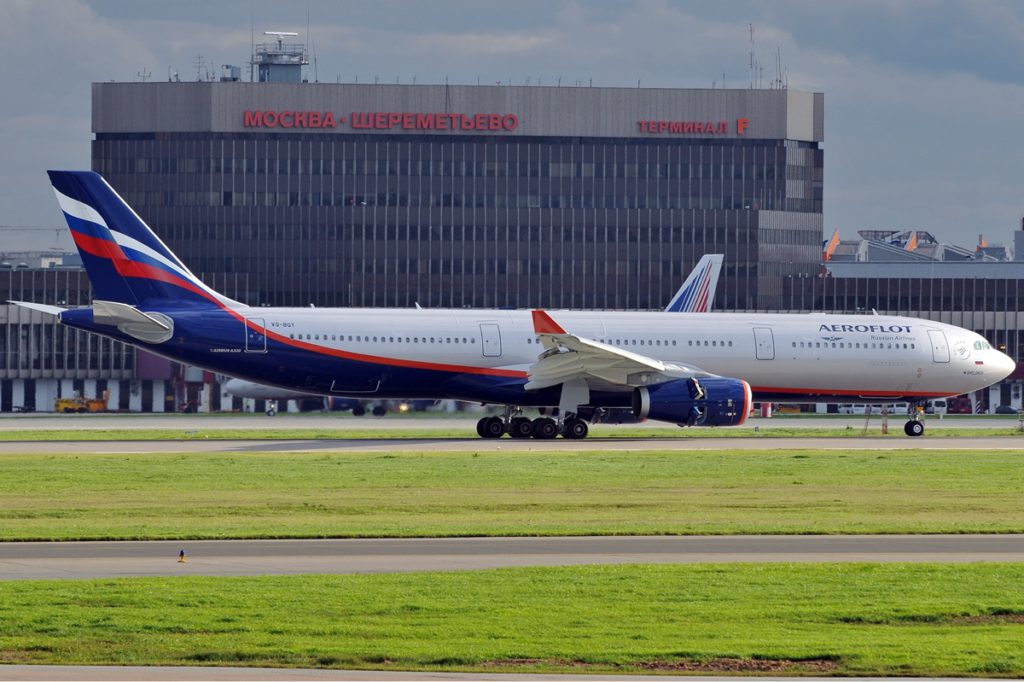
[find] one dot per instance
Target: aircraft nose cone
(1004, 365)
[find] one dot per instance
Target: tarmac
(78, 560)
(987, 444)
(467, 421)
(82, 560)
(56, 673)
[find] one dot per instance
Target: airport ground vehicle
(693, 369)
(80, 405)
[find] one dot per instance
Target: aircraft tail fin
(698, 291)
(125, 261)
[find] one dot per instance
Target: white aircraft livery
(693, 369)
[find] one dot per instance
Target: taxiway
(32, 560)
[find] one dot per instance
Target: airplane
(693, 369)
(694, 296)
(698, 291)
(272, 395)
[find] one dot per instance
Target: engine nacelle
(711, 401)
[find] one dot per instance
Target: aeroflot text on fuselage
(877, 328)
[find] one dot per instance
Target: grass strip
(410, 494)
(408, 433)
(861, 619)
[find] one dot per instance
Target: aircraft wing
(568, 357)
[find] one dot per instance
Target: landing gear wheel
(492, 427)
(480, 426)
(914, 428)
(358, 411)
(380, 411)
(576, 429)
(544, 428)
(521, 427)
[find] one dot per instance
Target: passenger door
(764, 343)
(255, 335)
(490, 339)
(940, 348)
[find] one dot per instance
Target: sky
(923, 99)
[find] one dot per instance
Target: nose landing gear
(915, 426)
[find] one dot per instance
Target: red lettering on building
(380, 120)
(288, 119)
(691, 127)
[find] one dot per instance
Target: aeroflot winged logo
(875, 328)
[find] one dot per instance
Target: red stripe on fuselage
(105, 248)
(862, 393)
(397, 362)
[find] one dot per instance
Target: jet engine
(709, 401)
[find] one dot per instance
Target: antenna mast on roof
(252, 45)
(753, 71)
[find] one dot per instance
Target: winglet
(543, 324)
(40, 307)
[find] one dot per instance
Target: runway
(419, 421)
(32, 560)
(986, 444)
(58, 673)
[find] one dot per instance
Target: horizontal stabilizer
(41, 307)
(151, 327)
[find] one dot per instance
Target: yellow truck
(80, 404)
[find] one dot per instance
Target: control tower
(280, 62)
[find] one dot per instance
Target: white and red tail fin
(125, 260)
(698, 291)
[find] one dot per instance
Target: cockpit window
(982, 345)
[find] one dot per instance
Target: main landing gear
(915, 426)
(542, 428)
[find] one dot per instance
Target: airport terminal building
(470, 196)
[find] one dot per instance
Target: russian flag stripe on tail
(698, 291)
(125, 260)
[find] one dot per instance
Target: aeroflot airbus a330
(701, 369)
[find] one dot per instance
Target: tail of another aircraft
(126, 262)
(698, 291)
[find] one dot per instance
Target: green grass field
(248, 495)
(892, 619)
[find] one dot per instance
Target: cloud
(921, 98)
